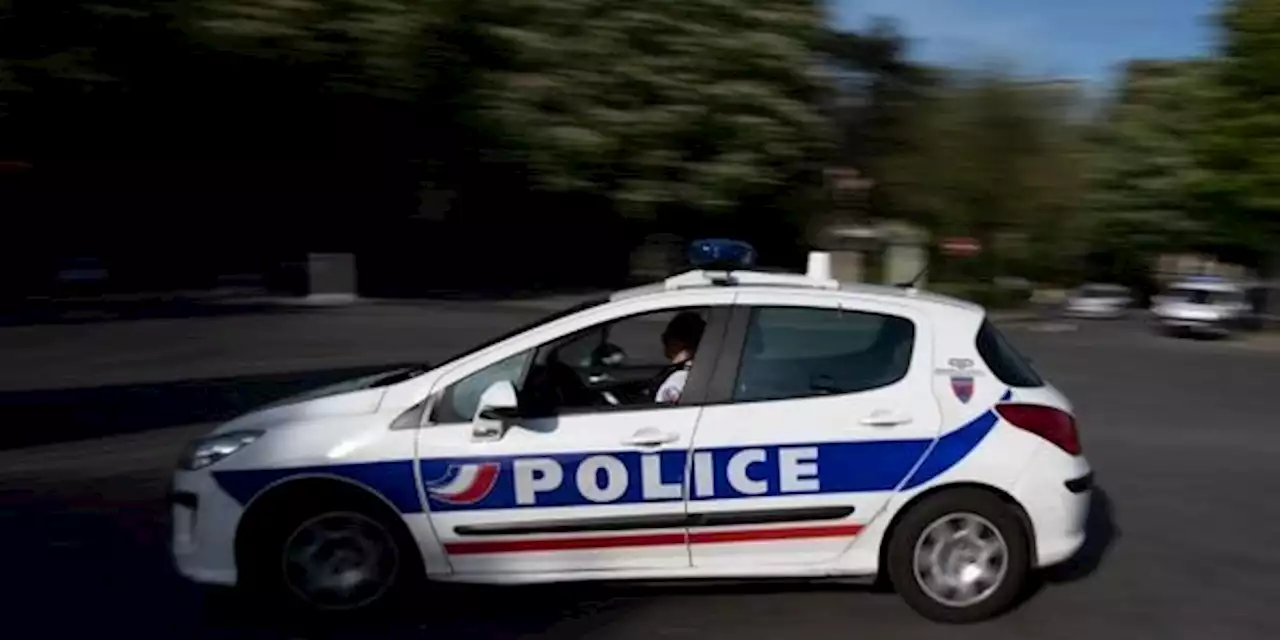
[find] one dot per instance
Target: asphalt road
(1181, 433)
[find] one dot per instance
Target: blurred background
(149, 148)
(186, 186)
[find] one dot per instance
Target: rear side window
(797, 352)
(1005, 362)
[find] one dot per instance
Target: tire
(344, 539)
(934, 519)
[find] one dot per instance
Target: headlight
(203, 452)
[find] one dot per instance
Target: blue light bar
(721, 254)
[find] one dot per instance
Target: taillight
(1054, 425)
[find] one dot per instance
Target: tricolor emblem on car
(465, 483)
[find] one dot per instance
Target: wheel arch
(927, 494)
(288, 492)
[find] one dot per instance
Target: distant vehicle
(1202, 306)
(77, 277)
(1099, 301)
(826, 430)
(81, 270)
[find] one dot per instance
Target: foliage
(879, 91)
(1146, 171)
(376, 46)
(991, 157)
(1242, 145)
(698, 116)
(696, 106)
(878, 88)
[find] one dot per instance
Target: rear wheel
(340, 558)
(960, 556)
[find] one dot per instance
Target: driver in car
(679, 342)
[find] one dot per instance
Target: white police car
(1201, 305)
(823, 431)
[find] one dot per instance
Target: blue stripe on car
(843, 467)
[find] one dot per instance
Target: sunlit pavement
(1182, 435)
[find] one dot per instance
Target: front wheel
(958, 557)
(338, 561)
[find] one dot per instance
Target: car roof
(789, 282)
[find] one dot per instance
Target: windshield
(582, 306)
(1202, 296)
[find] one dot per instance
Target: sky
(1082, 39)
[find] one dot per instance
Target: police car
(817, 430)
(1203, 305)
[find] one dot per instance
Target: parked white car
(1099, 301)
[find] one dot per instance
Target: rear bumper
(1056, 492)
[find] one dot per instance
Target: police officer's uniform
(671, 388)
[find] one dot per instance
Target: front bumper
(1214, 327)
(204, 522)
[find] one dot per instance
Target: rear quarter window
(800, 352)
(1004, 360)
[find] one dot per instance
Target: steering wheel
(564, 386)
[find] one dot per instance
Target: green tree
(374, 46)
(1146, 172)
(878, 91)
(1243, 141)
(660, 107)
(995, 158)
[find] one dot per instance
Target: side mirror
(498, 406)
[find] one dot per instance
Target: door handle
(597, 378)
(885, 419)
(651, 438)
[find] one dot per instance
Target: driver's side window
(623, 362)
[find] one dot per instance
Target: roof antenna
(911, 284)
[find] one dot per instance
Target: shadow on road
(445, 612)
(1101, 533)
(61, 415)
(100, 544)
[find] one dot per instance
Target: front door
(593, 483)
(571, 493)
(827, 410)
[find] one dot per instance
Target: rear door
(818, 412)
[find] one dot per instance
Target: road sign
(959, 246)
